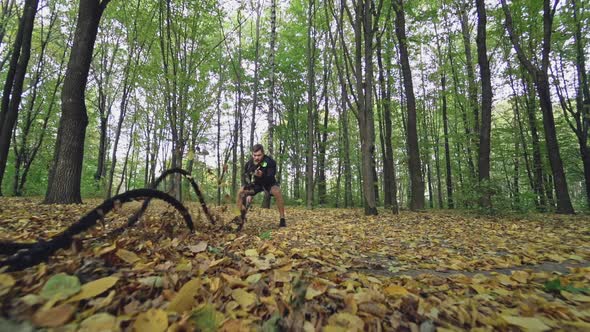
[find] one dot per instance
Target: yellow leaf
(154, 320)
(127, 256)
(54, 317)
(526, 323)
(6, 283)
(234, 281)
(334, 328)
(199, 247)
(99, 322)
(349, 321)
(505, 280)
(251, 253)
(184, 299)
(520, 276)
(315, 289)
(106, 250)
(252, 279)
(395, 291)
(575, 297)
(94, 288)
(245, 299)
(281, 276)
(374, 280)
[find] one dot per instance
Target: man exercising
(264, 169)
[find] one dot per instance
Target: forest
(413, 139)
(412, 105)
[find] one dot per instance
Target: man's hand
(248, 199)
(258, 173)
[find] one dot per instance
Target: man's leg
(276, 192)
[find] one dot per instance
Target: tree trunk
(322, 191)
(388, 171)
(471, 82)
(65, 179)
(310, 104)
(541, 78)
(271, 106)
(14, 82)
(256, 75)
(417, 185)
(486, 109)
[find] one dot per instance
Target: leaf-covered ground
(329, 270)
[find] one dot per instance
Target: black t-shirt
(268, 167)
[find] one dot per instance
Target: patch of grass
(555, 286)
(266, 235)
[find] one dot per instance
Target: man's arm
(271, 171)
(249, 168)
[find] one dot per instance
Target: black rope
(30, 254)
(135, 217)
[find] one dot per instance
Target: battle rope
(30, 254)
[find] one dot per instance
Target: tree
(66, 173)
(541, 79)
(15, 78)
(486, 108)
(311, 104)
(417, 184)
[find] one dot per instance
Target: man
(263, 168)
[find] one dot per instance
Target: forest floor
(329, 270)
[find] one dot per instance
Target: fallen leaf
(94, 288)
(314, 289)
(254, 278)
(99, 323)
(575, 297)
(245, 299)
(152, 281)
(199, 247)
(6, 283)
(526, 323)
(520, 276)
(60, 286)
(154, 320)
(127, 256)
(206, 318)
(185, 298)
(349, 321)
(251, 253)
(54, 317)
(395, 291)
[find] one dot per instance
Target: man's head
(257, 153)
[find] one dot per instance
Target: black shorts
(260, 187)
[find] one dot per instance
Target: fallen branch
(30, 254)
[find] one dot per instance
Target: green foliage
(555, 286)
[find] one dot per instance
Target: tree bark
(486, 109)
(310, 104)
(541, 78)
(65, 179)
(15, 79)
(417, 184)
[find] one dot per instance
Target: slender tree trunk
(541, 78)
(471, 82)
(256, 74)
(65, 178)
(486, 108)
(537, 162)
(388, 172)
(417, 185)
(271, 106)
(15, 78)
(310, 104)
(322, 191)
